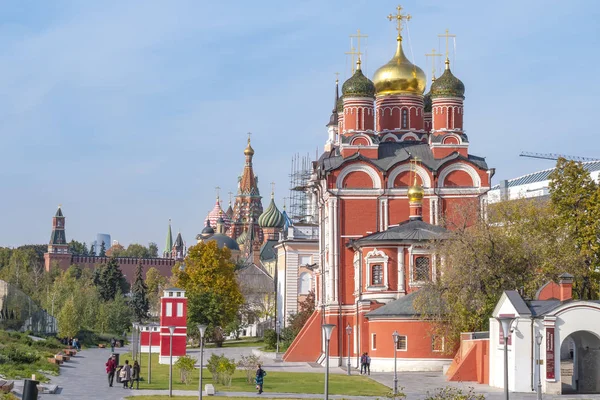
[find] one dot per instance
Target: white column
(401, 286)
(336, 271)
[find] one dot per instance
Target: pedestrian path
(84, 377)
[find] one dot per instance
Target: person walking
(135, 373)
(363, 363)
(368, 365)
(111, 366)
(260, 375)
(112, 345)
(126, 374)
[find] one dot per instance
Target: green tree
(68, 319)
(155, 283)
(521, 246)
(136, 250)
(78, 248)
(120, 316)
(213, 293)
(109, 279)
(102, 249)
(575, 198)
(92, 251)
(139, 301)
(152, 250)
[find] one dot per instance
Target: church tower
(248, 205)
(58, 249)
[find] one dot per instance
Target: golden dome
(415, 192)
(399, 76)
(249, 151)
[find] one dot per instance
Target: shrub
(249, 363)
(185, 365)
(212, 365)
(452, 393)
(19, 356)
(270, 337)
(221, 369)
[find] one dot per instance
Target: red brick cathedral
(395, 174)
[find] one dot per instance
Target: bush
(452, 393)
(221, 369)
(185, 365)
(18, 355)
(249, 363)
(270, 337)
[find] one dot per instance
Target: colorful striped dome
(216, 213)
(272, 217)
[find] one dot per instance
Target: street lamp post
(150, 327)
(327, 330)
(138, 352)
(505, 322)
(171, 331)
(202, 329)
(538, 341)
(277, 329)
(133, 342)
(348, 332)
(396, 337)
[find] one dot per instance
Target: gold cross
(433, 55)
(399, 18)
(272, 187)
(352, 53)
(249, 133)
(217, 189)
(337, 76)
(230, 195)
(447, 35)
(358, 36)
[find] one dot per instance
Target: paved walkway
(85, 378)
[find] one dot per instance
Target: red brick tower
(173, 312)
(58, 250)
(248, 205)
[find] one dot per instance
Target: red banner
(550, 353)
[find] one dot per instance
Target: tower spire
(168, 241)
(333, 119)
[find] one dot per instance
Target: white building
(531, 185)
(570, 349)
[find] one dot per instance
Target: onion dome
(447, 85)
(249, 151)
(242, 238)
(358, 85)
(224, 241)
(427, 102)
(399, 75)
(216, 213)
(272, 217)
(208, 230)
(415, 192)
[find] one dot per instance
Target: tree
(78, 248)
(116, 250)
(152, 250)
(68, 319)
(120, 315)
(575, 198)
(155, 283)
(92, 250)
(109, 279)
(211, 288)
(521, 246)
(139, 301)
(102, 249)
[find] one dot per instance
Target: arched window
(421, 271)
(304, 283)
(377, 275)
(404, 118)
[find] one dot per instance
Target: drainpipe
(532, 358)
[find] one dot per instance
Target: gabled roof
(414, 230)
(179, 241)
(544, 175)
(403, 307)
(267, 250)
(255, 279)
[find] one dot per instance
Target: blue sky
(129, 113)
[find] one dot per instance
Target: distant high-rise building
(101, 237)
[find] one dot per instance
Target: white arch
(457, 137)
(389, 135)
(459, 167)
(407, 168)
(360, 135)
(358, 168)
(304, 283)
(411, 135)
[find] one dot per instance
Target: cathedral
(396, 174)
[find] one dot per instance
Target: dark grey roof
(416, 230)
(254, 279)
(544, 175)
(58, 237)
(518, 302)
(59, 212)
(403, 307)
(223, 241)
(392, 153)
(179, 241)
(267, 250)
(440, 138)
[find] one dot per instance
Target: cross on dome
(447, 35)
(399, 18)
(433, 55)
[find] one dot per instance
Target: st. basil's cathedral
(396, 174)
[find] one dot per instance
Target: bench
(62, 357)
(6, 386)
(209, 389)
(70, 352)
(102, 346)
(54, 360)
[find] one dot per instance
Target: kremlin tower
(396, 175)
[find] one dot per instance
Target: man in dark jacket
(111, 366)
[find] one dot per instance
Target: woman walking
(126, 374)
(260, 374)
(135, 373)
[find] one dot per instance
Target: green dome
(427, 102)
(242, 238)
(340, 104)
(358, 86)
(271, 218)
(447, 85)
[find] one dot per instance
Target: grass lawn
(251, 342)
(279, 382)
(195, 397)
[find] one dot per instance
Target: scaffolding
(299, 210)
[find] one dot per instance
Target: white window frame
(405, 341)
(300, 283)
(433, 337)
(303, 257)
(168, 309)
(376, 257)
(180, 309)
(415, 251)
